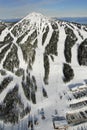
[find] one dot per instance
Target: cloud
(46, 7)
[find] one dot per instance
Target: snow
(78, 110)
(38, 71)
(56, 87)
(1, 64)
(36, 17)
(3, 47)
(49, 35)
(61, 44)
(24, 100)
(5, 91)
(3, 34)
(79, 88)
(26, 37)
(78, 100)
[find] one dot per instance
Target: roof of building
(59, 120)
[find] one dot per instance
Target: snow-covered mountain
(39, 58)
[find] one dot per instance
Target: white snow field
(57, 91)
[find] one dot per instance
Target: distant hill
(11, 20)
(80, 20)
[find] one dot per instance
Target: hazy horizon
(45, 15)
(80, 20)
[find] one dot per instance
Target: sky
(52, 8)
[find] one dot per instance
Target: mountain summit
(38, 57)
(35, 15)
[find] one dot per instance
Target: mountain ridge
(39, 57)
